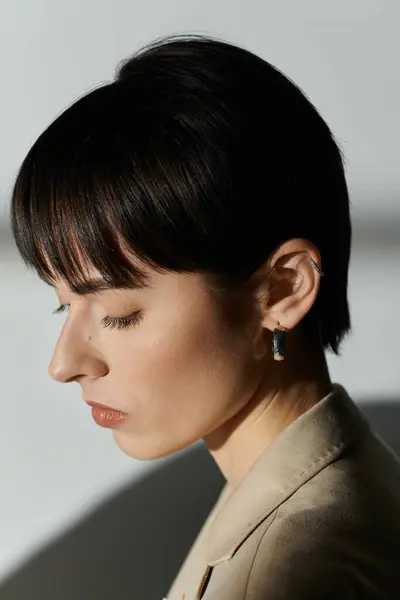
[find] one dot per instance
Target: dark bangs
(117, 176)
(199, 157)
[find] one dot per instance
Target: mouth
(105, 416)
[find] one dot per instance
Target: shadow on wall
(133, 545)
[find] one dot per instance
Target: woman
(193, 216)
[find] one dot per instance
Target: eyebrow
(95, 286)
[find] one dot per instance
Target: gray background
(78, 518)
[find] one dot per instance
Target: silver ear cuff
(316, 267)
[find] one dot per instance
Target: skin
(185, 372)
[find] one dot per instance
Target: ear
(291, 284)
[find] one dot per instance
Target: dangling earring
(278, 342)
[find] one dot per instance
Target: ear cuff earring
(316, 267)
(279, 333)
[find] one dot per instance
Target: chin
(146, 449)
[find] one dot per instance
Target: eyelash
(112, 322)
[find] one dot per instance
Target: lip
(102, 406)
(106, 416)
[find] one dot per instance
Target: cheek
(179, 379)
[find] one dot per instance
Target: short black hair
(202, 157)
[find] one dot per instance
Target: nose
(67, 372)
(72, 359)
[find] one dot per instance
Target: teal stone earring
(279, 342)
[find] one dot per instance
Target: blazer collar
(304, 448)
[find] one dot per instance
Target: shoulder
(337, 536)
(310, 554)
(292, 564)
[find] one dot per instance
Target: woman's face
(180, 372)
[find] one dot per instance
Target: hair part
(198, 157)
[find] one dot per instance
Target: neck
(282, 391)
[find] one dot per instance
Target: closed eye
(112, 322)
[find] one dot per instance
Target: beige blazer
(317, 516)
